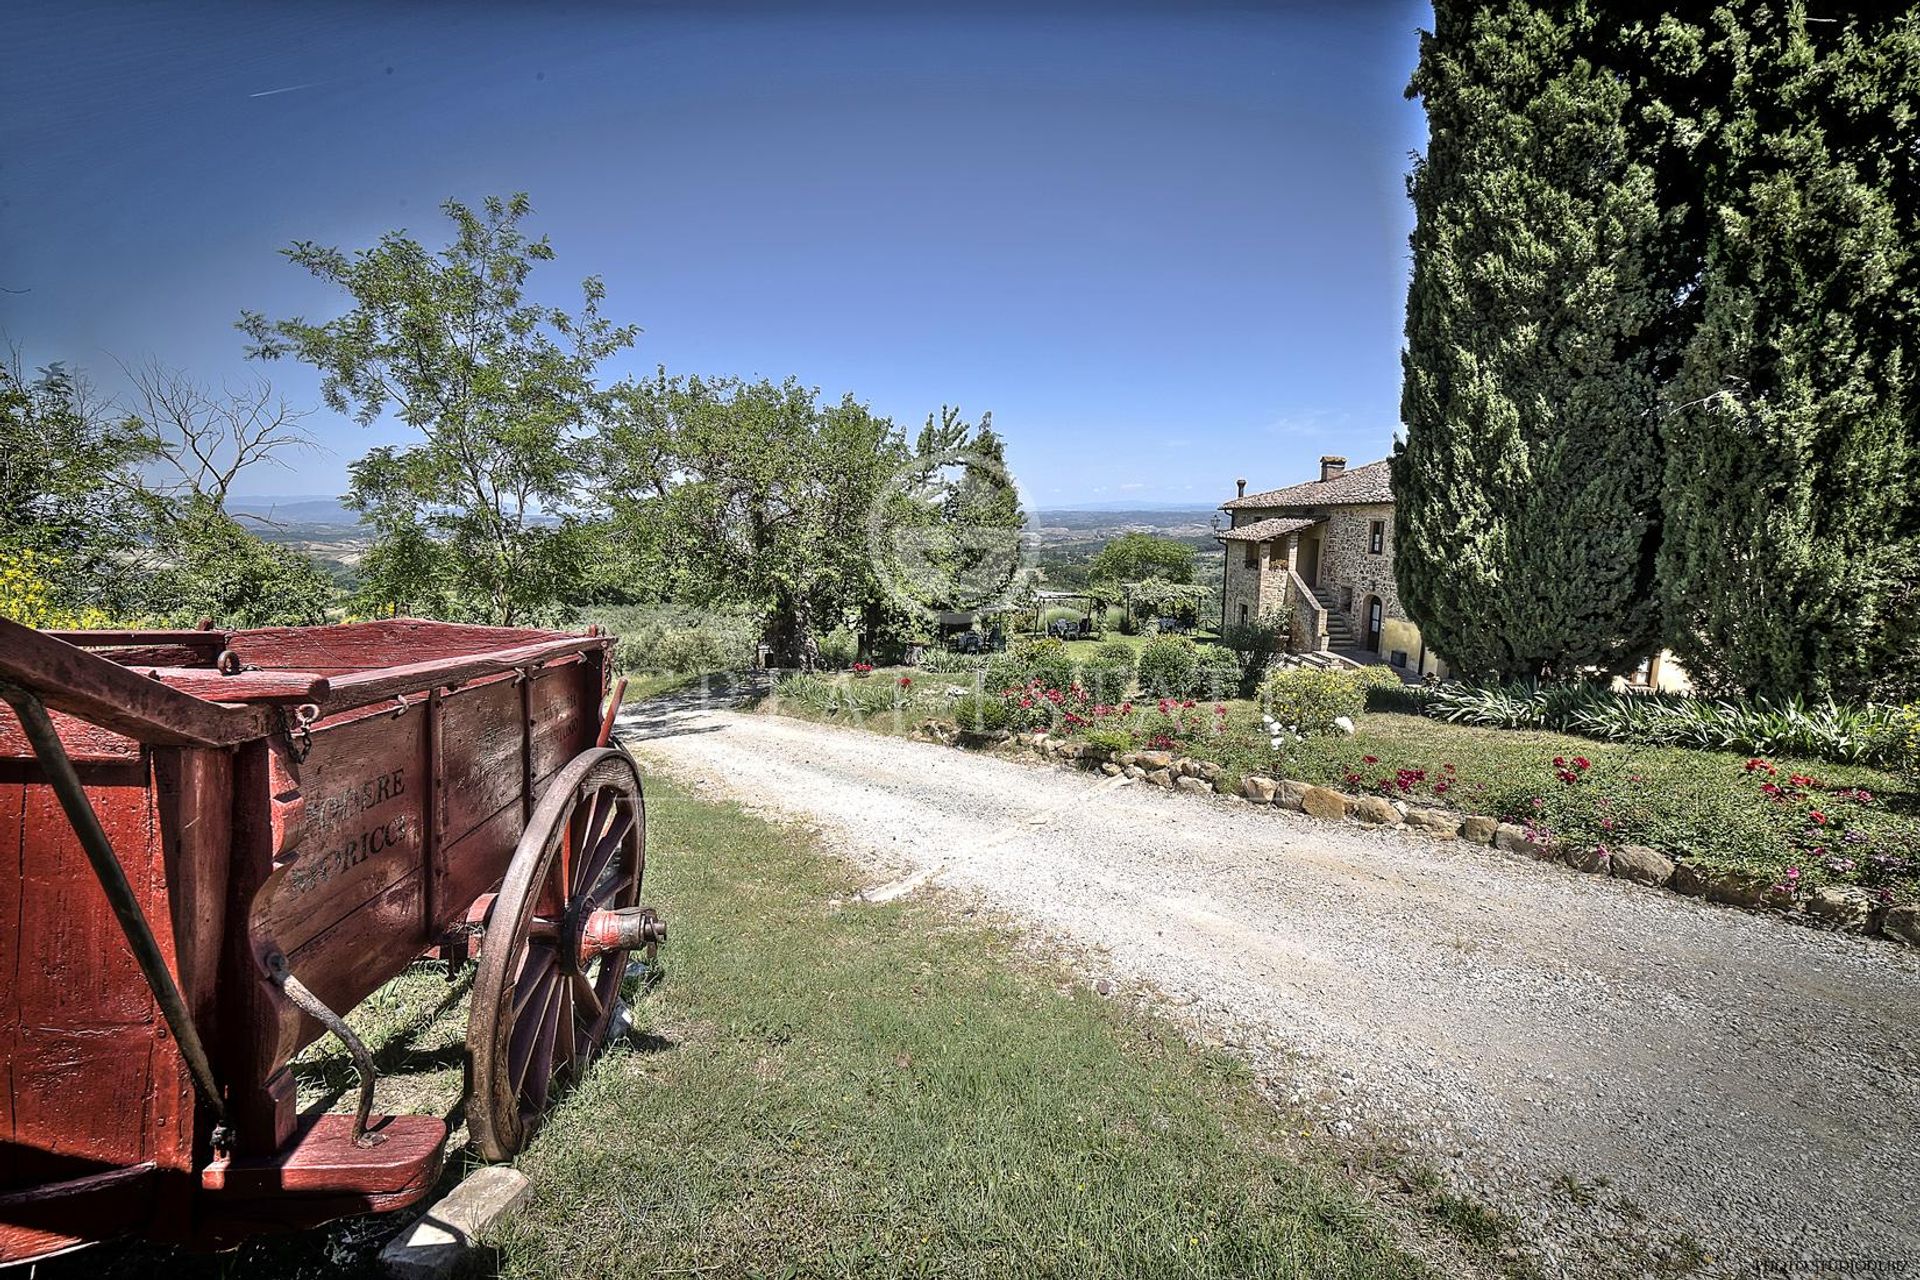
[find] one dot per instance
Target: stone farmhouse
(1321, 553)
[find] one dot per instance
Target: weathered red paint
(351, 849)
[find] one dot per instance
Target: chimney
(1331, 466)
(1240, 488)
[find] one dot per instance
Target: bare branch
(211, 437)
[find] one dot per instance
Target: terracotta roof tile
(1262, 530)
(1355, 486)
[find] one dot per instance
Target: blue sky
(1165, 245)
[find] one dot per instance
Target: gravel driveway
(1626, 1073)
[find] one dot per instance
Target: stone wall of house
(1349, 572)
(1262, 588)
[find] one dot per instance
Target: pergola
(1095, 604)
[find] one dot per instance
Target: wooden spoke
(535, 973)
(603, 853)
(531, 1032)
(539, 1016)
(585, 996)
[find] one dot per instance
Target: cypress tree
(1792, 492)
(1526, 488)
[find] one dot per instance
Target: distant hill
(306, 511)
(1072, 525)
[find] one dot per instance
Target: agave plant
(1825, 730)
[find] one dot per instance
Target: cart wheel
(554, 949)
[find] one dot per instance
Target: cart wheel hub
(628, 929)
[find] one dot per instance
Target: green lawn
(825, 1087)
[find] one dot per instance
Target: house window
(1243, 615)
(1377, 537)
(1346, 599)
(1253, 555)
(1643, 674)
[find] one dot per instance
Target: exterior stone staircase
(1342, 651)
(1340, 631)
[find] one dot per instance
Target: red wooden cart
(213, 843)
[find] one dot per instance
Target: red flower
(1582, 763)
(1370, 759)
(1559, 762)
(1352, 778)
(906, 682)
(1818, 817)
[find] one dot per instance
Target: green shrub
(1403, 699)
(1107, 675)
(838, 648)
(1898, 747)
(1312, 698)
(1109, 740)
(1115, 653)
(1047, 660)
(981, 712)
(871, 697)
(1216, 673)
(1254, 643)
(1167, 665)
(667, 639)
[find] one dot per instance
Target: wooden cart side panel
(481, 737)
(193, 790)
(367, 646)
(260, 1096)
(94, 1082)
(13, 852)
(566, 717)
(85, 743)
(349, 823)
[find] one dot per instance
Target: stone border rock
(1840, 908)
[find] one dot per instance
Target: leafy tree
(500, 390)
(1135, 557)
(214, 567)
(1526, 513)
(1793, 461)
(70, 491)
(813, 515)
